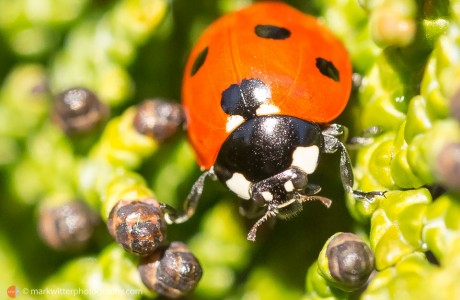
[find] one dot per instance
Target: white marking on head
(239, 185)
(233, 121)
(306, 158)
(267, 109)
(261, 94)
(288, 186)
(267, 196)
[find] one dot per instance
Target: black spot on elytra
(199, 61)
(244, 99)
(327, 68)
(272, 32)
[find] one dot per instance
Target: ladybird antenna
(173, 216)
(271, 212)
(324, 200)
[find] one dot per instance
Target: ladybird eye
(327, 68)
(272, 32)
(199, 61)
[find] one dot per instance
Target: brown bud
(448, 166)
(78, 110)
(158, 119)
(172, 271)
(138, 226)
(68, 226)
(351, 261)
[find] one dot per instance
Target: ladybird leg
(312, 189)
(282, 196)
(331, 145)
(269, 194)
(291, 184)
(310, 195)
(294, 206)
(341, 133)
(336, 131)
(324, 200)
(191, 202)
(272, 211)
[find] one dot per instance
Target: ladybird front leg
(333, 136)
(174, 216)
(337, 131)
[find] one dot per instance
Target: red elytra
(230, 51)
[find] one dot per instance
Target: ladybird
(259, 90)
